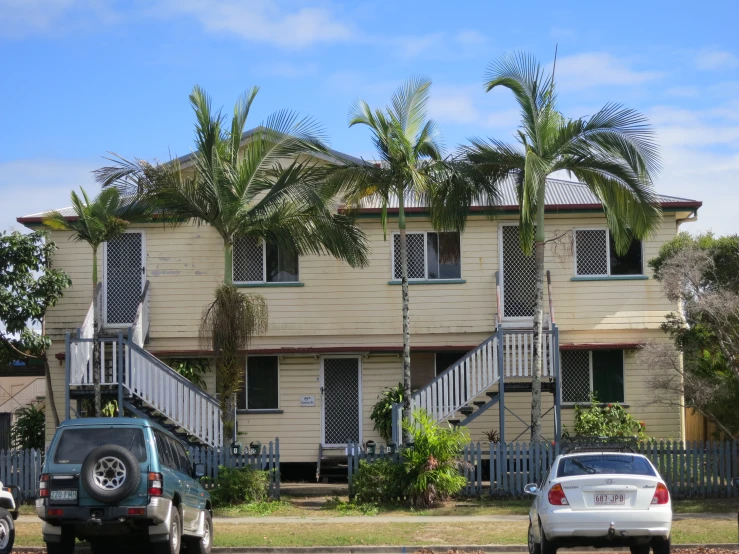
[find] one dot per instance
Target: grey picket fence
(22, 468)
(267, 458)
(691, 470)
(356, 453)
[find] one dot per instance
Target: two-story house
(334, 339)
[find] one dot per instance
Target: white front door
(124, 276)
(341, 416)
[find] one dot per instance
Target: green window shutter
(608, 375)
(262, 382)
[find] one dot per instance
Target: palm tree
(410, 155)
(95, 222)
(241, 188)
(613, 152)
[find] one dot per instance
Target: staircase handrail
(87, 329)
(171, 372)
(140, 327)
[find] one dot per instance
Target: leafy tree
(612, 152)
(245, 188)
(407, 144)
(701, 275)
(28, 429)
(95, 222)
(192, 369)
(28, 287)
(609, 420)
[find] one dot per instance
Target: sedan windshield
(76, 444)
(618, 464)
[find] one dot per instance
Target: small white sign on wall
(307, 400)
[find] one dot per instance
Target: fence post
(277, 467)
(478, 490)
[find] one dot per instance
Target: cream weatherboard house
(334, 339)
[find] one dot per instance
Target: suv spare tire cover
(110, 473)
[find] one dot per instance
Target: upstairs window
(597, 371)
(255, 261)
(595, 255)
(431, 255)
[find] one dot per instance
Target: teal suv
(121, 482)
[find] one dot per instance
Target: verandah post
(554, 352)
(501, 384)
(67, 375)
(120, 374)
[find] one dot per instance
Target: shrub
(28, 429)
(382, 411)
(609, 420)
(381, 482)
(240, 486)
(433, 464)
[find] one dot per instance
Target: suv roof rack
(599, 444)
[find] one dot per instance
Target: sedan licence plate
(609, 499)
(64, 495)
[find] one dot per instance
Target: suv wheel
(174, 539)
(7, 532)
(65, 546)
(201, 545)
(661, 546)
(110, 473)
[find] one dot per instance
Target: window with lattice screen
(257, 262)
(598, 371)
(595, 255)
(519, 276)
(430, 256)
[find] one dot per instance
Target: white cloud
(263, 21)
(700, 151)
(683, 92)
(35, 185)
(471, 105)
(438, 46)
(594, 69)
(22, 18)
(715, 59)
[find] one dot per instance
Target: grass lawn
(335, 533)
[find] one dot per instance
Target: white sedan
(600, 499)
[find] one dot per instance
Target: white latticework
(123, 278)
(248, 260)
(341, 400)
(575, 375)
(592, 251)
(416, 256)
(519, 276)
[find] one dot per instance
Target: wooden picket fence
(356, 453)
(691, 470)
(23, 467)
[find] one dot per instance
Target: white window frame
(590, 362)
(608, 253)
(264, 269)
(425, 256)
(246, 385)
(104, 306)
(359, 395)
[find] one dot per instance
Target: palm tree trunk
(538, 359)
(96, 369)
(406, 316)
(228, 275)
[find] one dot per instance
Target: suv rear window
(76, 444)
(618, 464)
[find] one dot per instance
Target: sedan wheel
(545, 546)
(534, 547)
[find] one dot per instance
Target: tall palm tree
(613, 152)
(408, 147)
(270, 186)
(95, 222)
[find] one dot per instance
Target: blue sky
(83, 77)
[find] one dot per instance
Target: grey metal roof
(559, 194)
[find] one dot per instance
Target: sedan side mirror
(198, 471)
(531, 488)
(735, 482)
